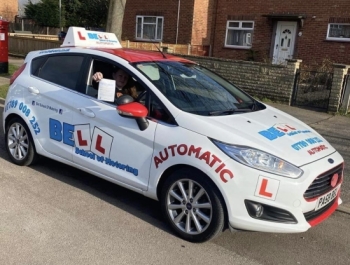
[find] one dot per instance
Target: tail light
(17, 73)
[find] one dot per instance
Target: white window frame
(159, 23)
(337, 38)
(240, 28)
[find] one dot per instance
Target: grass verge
(12, 68)
(3, 91)
(4, 88)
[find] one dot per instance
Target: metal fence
(312, 89)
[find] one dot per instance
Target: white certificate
(106, 90)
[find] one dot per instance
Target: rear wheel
(19, 143)
(192, 205)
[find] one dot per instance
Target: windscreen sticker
(95, 146)
(54, 51)
(184, 150)
(280, 130)
(12, 104)
(45, 106)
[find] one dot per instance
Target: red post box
(4, 51)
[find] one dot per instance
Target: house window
(338, 31)
(239, 34)
(149, 28)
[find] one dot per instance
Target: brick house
(8, 9)
(247, 29)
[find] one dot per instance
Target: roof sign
(80, 37)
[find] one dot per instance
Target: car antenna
(160, 51)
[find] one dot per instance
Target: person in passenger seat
(122, 83)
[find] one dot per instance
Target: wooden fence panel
(23, 44)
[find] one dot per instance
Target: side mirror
(134, 110)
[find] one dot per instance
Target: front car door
(106, 143)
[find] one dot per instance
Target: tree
(115, 17)
(86, 13)
(72, 8)
(45, 13)
(80, 13)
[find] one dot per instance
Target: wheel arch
(173, 168)
(13, 116)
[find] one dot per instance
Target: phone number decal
(12, 104)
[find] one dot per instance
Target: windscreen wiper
(228, 111)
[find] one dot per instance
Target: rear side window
(63, 70)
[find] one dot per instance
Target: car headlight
(260, 160)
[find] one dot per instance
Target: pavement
(332, 127)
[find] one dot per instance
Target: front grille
(322, 184)
(313, 214)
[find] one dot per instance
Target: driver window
(124, 82)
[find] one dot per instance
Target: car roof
(133, 56)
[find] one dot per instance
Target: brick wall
(202, 22)
(168, 9)
(311, 47)
(258, 79)
(8, 9)
(340, 71)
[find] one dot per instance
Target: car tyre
(192, 205)
(19, 143)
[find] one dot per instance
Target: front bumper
(283, 195)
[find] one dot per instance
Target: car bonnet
(269, 130)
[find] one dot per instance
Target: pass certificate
(106, 90)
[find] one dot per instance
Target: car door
(50, 95)
(110, 145)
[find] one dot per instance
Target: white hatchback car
(211, 154)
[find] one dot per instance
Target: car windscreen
(195, 89)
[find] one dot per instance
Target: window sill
(238, 47)
(147, 40)
(338, 40)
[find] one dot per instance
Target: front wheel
(192, 205)
(19, 143)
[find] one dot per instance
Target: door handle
(87, 112)
(33, 90)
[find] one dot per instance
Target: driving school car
(211, 154)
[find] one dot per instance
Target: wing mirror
(127, 108)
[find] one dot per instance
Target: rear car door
(50, 96)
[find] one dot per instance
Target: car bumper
(289, 206)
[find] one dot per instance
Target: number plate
(327, 198)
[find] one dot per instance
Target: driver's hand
(118, 94)
(97, 76)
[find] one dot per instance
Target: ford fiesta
(211, 154)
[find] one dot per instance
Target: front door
(284, 41)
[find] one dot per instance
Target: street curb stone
(344, 208)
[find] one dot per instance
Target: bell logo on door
(267, 188)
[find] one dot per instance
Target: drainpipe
(178, 19)
(213, 27)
